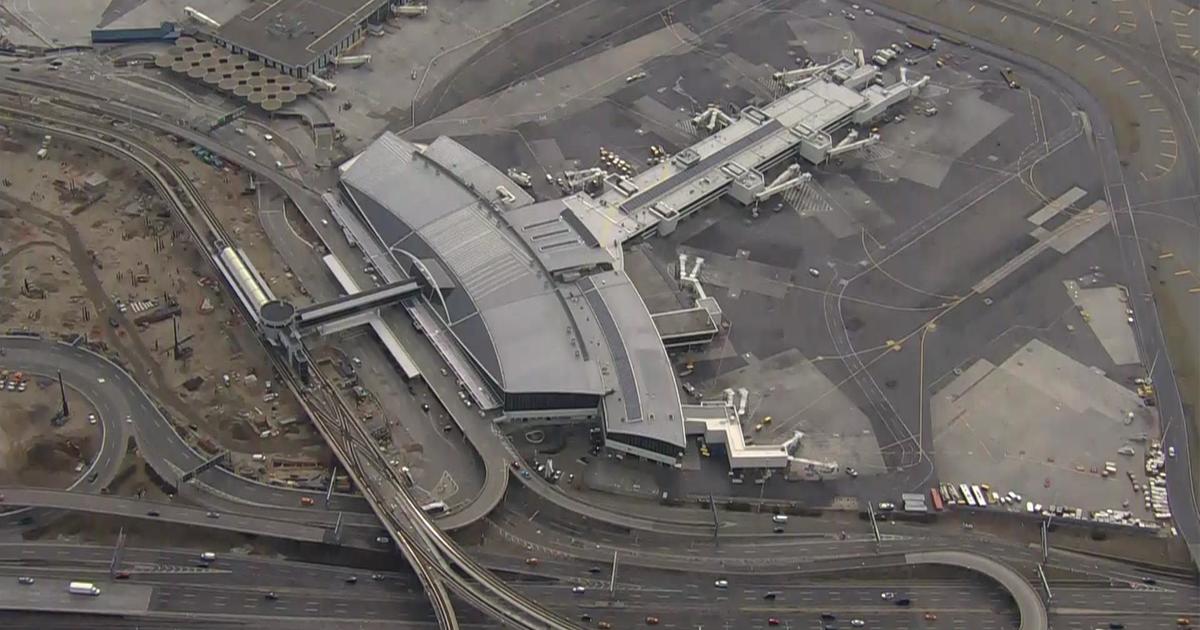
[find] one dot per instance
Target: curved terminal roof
(505, 310)
(535, 299)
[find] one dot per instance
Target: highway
(235, 588)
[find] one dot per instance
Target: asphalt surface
(163, 512)
(1124, 190)
(234, 588)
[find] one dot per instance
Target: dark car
(353, 579)
(594, 570)
(92, 477)
(585, 617)
(829, 616)
(771, 596)
(1149, 580)
(271, 595)
(903, 601)
(1116, 625)
(152, 513)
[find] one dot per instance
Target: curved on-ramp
(168, 453)
(1029, 603)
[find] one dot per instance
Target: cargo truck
(83, 588)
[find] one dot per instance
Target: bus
(937, 499)
(979, 498)
(437, 507)
(966, 492)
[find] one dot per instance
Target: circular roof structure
(243, 90)
(197, 72)
(164, 61)
(257, 81)
(180, 66)
(185, 42)
(277, 313)
(271, 105)
(301, 88)
(256, 97)
(285, 96)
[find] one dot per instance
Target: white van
(779, 518)
(208, 556)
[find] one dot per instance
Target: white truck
(83, 588)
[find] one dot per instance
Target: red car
(122, 575)
(773, 622)
(651, 621)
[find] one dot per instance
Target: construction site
(89, 249)
(38, 446)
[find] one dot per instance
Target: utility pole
(612, 583)
(712, 504)
(1045, 583)
(115, 565)
(329, 492)
(62, 389)
(1046, 540)
(874, 525)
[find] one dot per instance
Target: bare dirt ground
(100, 253)
(33, 452)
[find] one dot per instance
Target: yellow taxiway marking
(1101, 58)
(1133, 82)
(1036, 29)
(1080, 47)
(1004, 19)
(1059, 38)
(1117, 69)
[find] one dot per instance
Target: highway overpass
(163, 512)
(1029, 602)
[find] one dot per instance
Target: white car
(888, 596)
(857, 623)
(92, 418)
(721, 583)
(1170, 451)
(578, 590)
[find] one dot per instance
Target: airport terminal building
(528, 302)
(301, 37)
(550, 327)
